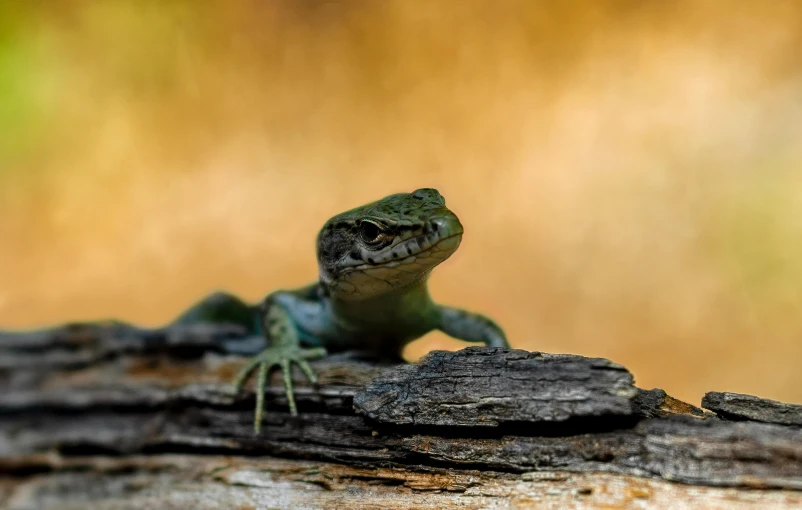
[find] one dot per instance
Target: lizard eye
(369, 231)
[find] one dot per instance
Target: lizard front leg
(471, 327)
(284, 349)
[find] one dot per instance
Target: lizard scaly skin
(372, 295)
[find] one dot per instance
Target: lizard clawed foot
(277, 356)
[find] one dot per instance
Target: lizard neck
(404, 309)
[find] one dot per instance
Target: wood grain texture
(488, 387)
(69, 395)
(737, 406)
(203, 482)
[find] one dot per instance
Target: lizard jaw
(367, 280)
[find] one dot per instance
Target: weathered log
(736, 406)
(480, 387)
(70, 394)
(203, 482)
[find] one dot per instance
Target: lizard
(371, 296)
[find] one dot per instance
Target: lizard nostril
(439, 226)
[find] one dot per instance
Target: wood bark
(109, 415)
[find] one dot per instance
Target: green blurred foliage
(758, 236)
(22, 112)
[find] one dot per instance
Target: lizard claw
(277, 356)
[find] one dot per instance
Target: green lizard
(372, 295)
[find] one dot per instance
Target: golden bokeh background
(629, 173)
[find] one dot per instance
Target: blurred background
(628, 172)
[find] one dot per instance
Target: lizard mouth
(439, 250)
(440, 238)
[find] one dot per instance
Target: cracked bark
(109, 415)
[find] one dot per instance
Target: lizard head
(386, 245)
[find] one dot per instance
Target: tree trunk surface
(112, 416)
